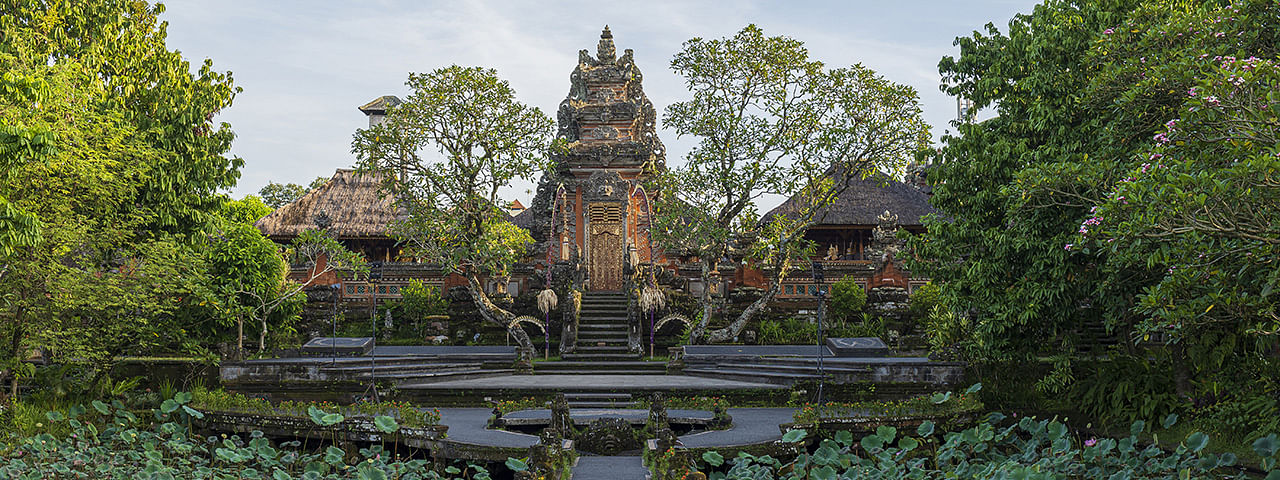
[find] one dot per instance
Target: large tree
(445, 153)
(771, 121)
(1107, 191)
(277, 195)
(110, 152)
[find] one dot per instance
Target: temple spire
(605, 51)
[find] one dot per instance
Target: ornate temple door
(608, 246)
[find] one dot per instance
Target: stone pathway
(466, 425)
(609, 468)
(750, 426)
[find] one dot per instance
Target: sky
(305, 66)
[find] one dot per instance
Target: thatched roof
(350, 201)
(380, 105)
(866, 199)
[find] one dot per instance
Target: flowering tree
(1204, 206)
(1067, 209)
(771, 121)
(484, 138)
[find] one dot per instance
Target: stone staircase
(414, 370)
(602, 342)
(602, 329)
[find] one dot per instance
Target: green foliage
(457, 140)
(994, 448)
(120, 47)
(864, 325)
(1247, 419)
(275, 195)
(945, 329)
(419, 300)
(769, 120)
(402, 414)
(244, 211)
(790, 331)
(848, 298)
(1126, 389)
(110, 442)
(1126, 181)
(923, 300)
(942, 404)
(110, 157)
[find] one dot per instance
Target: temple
(591, 213)
(592, 205)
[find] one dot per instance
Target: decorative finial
(605, 51)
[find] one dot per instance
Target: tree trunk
(705, 300)
(496, 315)
(1182, 371)
(239, 336)
(734, 329)
(262, 336)
(15, 343)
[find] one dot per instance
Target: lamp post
(333, 320)
(375, 273)
(819, 279)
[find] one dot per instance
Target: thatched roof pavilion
(865, 199)
(349, 205)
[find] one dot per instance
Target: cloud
(306, 65)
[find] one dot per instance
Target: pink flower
(1108, 31)
(1091, 442)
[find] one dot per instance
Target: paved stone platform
(609, 468)
(579, 383)
(467, 425)
(750, 426)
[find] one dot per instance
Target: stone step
(587, 373)
(432, 377)
(601, 335)
(601, 349)
(599, 367)
(602, 326)
(600, 320)
(774, 378)
(600, 356)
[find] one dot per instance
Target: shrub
(848, 298)
(944, 329)
(922, 301)
(792, 331)
(1246, 419)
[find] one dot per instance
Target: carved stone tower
(611, 147)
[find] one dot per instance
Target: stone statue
(560, 419)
